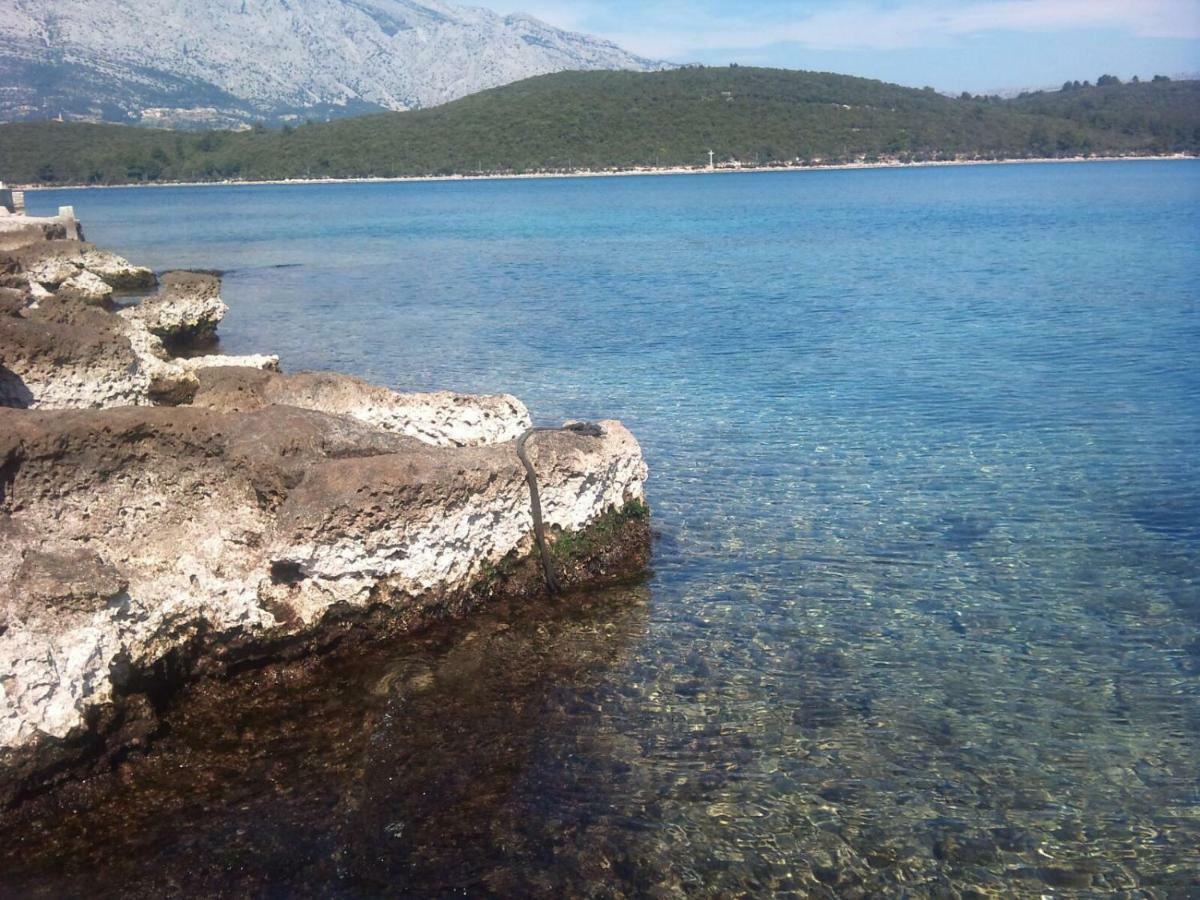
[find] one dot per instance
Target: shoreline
(625, 173)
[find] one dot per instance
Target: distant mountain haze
(206, 63)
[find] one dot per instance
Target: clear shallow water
(925, 611)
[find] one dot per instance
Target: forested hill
(604, 120)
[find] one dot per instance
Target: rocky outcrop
(68, 347)
(442, 418)
(166, 518)
(60, 355)
(172, 526)
(87, 287)
(51, 263)
(187, 309)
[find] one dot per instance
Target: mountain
(219, 63)
(622, 119)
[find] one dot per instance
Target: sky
(952, 45)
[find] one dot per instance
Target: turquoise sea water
(925, 607)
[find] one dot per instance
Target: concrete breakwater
(167, 516)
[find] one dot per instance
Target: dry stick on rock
(587, 429)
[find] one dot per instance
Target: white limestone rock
(51, 271)
(440, 418)
(116, 271)
(187, 309)
(88, 287)
(109, 562)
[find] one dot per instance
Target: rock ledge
(164, 518)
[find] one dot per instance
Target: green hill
(623, 119)
(1163, 114)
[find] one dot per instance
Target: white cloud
(673, 30)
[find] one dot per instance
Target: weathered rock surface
(64, 355)
(176, 525)
(442, 418)
(72, 268)
(50, 271)
(187, 309)
(116, 271)
(164, 516)
(68, 349)
(87, 287)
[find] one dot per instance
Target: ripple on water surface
(924, 612)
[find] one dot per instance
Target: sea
(923, 617)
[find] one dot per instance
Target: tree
(46, 173)
(1159, 79)
(1107, 81)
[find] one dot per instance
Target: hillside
(621, 119)
(218, 63)
(1166, 112)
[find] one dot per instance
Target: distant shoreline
(624, 173)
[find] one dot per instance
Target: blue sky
(953, 45)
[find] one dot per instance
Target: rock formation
(165, 518)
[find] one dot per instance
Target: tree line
(615, 120)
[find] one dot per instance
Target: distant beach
(617, 173)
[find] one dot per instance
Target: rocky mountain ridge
(222, 63)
